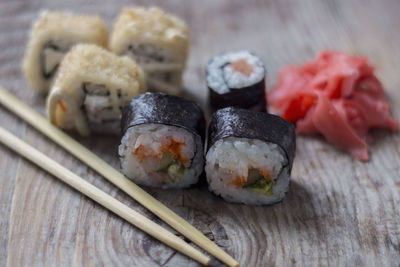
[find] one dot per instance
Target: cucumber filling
(257, 182)
(172, 169)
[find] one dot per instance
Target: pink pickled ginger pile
(337, 95)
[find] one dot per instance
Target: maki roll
(52, 35)
(236, 79)
(91, 88)
(159, 43)
(162, 143)
(250, 156)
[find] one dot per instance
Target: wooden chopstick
(71, 145)
(107, 201)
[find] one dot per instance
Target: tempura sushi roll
(91, 89)
(162, 143)
(236, 79)
(250, 156)
(158, 41)
(52, 35)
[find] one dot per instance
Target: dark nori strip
(140, 50)
(251, 97)
(164, 109)
(241, 123)
(91, 92)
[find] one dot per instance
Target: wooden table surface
(339, 211)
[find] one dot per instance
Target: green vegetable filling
(258, 183)
(172, 168)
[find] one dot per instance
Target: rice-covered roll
(158, 41)
(162, 143)
(250, 156)
(51, 37)
(236, 79)
(91, 89)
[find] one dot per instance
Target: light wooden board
(338, 212)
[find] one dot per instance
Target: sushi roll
(236, 79)
(162, 143)
(159, 43)
(91, 89)
(52, 35)
(250, 156)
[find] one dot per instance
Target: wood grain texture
(135, 218)
(338, 212)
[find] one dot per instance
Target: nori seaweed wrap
(249, 156)
(162, 143)
(236, 79)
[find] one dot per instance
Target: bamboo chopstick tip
(232, 262)
(225, 262)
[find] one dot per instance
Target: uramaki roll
(162, 143)
(51, 37)
(250, 156)
(159, 43)
(91, 88)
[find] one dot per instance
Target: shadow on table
(297, 205)
(382, 136)
(217, 219)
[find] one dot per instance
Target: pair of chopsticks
(68, 143)
(100, 197)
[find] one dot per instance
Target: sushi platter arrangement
(95, 91)
(127, 85)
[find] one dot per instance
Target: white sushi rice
(232, 156)
(222, 78)
(153, 137)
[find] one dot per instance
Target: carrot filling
(175, 148)
(239, 181)
(170, 157)
(242, 66)
(257, 179)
